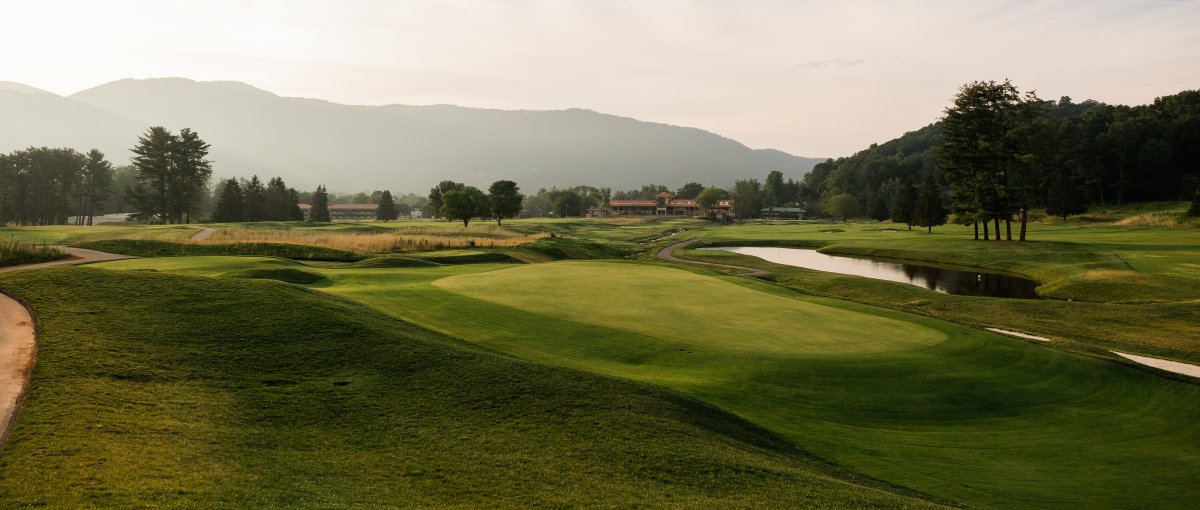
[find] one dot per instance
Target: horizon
(760, 74)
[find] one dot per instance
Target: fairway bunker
(937, 279)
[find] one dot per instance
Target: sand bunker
(17, 348)
(1018, 335)
(1162, 364)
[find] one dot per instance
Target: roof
(632, 203)
(665, 194)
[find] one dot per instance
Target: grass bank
(976, 418)
(271, 396)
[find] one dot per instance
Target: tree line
(241, 200)
(998, 153)
(45, 186)
(457, 201)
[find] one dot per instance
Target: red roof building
(664, 203)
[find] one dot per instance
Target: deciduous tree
(465, 204)
(506, 200)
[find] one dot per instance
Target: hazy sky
(822, 78)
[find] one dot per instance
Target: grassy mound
(153, 248)
(454, 257)
(559, 248)
(378, 262)
(14, 252)
(278, 397)
(289, 275)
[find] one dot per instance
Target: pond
(946, 281)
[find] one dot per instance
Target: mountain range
(399, 147)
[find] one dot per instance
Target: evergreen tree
(320, 206)
(387, 207)
(190, 174)
(97, 183)
(152, 159)
(929, 211)
(1195, 209)
(506, 199)
(277, 201)
(1064, 198)
(295, 212)
(906, 203)
(255, 200)
(230, 202)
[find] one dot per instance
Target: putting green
(679, 306)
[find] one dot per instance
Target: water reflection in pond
(946, 281)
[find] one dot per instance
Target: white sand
(1019, 335)
(1162, 364)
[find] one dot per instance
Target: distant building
(345, 211)
(101, 219)
(415, 214)
(664, 204)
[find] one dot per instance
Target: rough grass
(272, 396)
(14, 252)
(980, 419)
(376, 238)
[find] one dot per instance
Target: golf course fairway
(948, 410)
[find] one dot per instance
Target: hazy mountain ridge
(402, 147)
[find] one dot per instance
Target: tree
(230, 202)
(689, 191)
(773, 189)
(97, 182)
(567, 202)
(387, 208)
(254, 199)
(191, 172)
(903, 211)
(152, 158)
(1064, 198)
(747, 198)
(708, 199)
(1195, 209)
(436, 195)
(506, 199)
(843, 206)
(929, 211)
(465, 204)
(277, 201)
(320, 206)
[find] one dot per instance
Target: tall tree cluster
(241, 200)
(44, 186)
(172, 174)
(1062, 155)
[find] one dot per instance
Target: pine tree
(277, 203)
(255, 199)
(929, 211)
(387, 208)
(320, 206)
(152, 159)
(97, 181)
(906, 203)
(230, 202)
(190, 172)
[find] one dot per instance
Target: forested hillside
(1107, 153)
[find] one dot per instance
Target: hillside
(310, 141)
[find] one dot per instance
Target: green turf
(162, 390)
(980, 419)
(1152, 271)
(157, 248)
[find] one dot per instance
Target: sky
(821, 78)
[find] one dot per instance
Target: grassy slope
(262, 394)
(982, 419)
(71, 234)
(1154, 268)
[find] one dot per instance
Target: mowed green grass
(977, 418)
(1131, 289)
(166, 390)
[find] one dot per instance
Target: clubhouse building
(664, 204)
